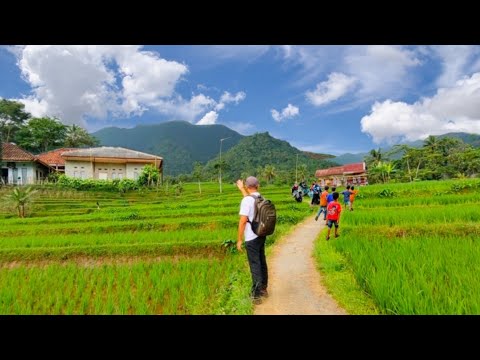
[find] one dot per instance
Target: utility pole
(220, 167)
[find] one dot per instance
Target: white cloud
(456, 61)
(75, 81)
(311, 61)
(382, 70)
(229, 98)
(336, 86)
(37, 108)
(181, 109)
(242, 52)
(288, 112)
(210, 118)
(451, 109)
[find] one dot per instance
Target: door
(14, 176)
(24, 176)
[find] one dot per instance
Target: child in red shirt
(333, 214)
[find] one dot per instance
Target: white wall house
(19, 167)
(108, 163)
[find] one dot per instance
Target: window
(114, 175)
(82, 174)
(75, 174)
(135, 175)
(120, 175)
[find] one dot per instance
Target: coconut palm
(76, 136)
(269, 172)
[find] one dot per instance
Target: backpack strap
(255, 197)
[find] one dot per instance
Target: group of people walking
(255, 245)
(331, 208)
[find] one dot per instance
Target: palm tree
(20, 198)
(430, 143)
(302, 171)
(77, 136)
(376, 155)
(269, 173)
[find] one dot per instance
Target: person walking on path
(254, 244)
(333, 217)
(323, 204)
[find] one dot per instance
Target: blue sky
(326, 99)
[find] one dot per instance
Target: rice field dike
(410, 248)
(157, 251)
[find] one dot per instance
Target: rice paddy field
(412, 248)
(144, 252)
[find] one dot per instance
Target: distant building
(108, 163)
(54, 158)
(348, 174)
(19, 167)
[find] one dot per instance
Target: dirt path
(294, 282)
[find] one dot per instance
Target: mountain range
(182, 144)
(467, 138)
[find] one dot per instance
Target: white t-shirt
(247, 208)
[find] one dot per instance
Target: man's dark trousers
(258, 265)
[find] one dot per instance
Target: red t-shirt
(333, 210)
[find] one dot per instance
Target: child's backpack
(264, 216)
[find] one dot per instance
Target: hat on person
(251, 181)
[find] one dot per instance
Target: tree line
(438, 158)
(39, 134)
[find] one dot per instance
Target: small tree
(197, 174)
(149, 175)
(20, 198)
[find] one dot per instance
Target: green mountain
(256, 151)
(467, 138)
(180, 143)
(349, 158)
(472, 139)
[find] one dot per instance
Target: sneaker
(264, 293)
(328, 238)
(337, 235)
(316, 218)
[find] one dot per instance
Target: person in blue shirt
(346, 197)
(330, 196)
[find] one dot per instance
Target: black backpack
(264, 216)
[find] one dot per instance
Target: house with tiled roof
(19, 167)
(348, 174)
(108, 163)
(55, 159)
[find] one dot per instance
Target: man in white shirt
(254, 244)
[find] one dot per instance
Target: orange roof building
(54, 158)
(348, 174)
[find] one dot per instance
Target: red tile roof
(12, 152)
(54, 157)
(347, 169)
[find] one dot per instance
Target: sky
(324, 99)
